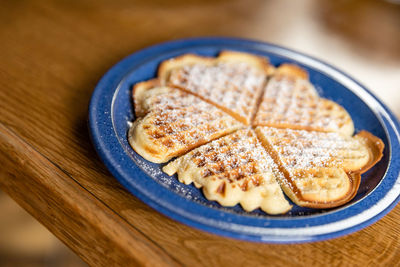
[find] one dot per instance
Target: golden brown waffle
(233, 169)
(307, 146)
(320, 169)
(290, 101)
(233, 81)
(171, 122)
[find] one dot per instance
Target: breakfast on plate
(247, 133)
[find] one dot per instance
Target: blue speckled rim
(276, 230)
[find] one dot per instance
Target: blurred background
(360, 37)
(25, 242)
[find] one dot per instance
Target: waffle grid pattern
(176, 121)
(183, 118)
(316, 161)
(293, 103)
(233, 87)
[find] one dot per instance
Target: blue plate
(111, 112)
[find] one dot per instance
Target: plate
(111, 112)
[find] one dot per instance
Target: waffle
(320, 169)
(243, 131)
(291, 101)
(171, 122)
(233, 81)
(233, 169)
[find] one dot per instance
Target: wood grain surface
(54, 52)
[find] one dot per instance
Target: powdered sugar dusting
(290, 101)
(238, 157)
(177, 118)
(232, 85)
(301, 149)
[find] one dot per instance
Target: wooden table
(54, 52)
